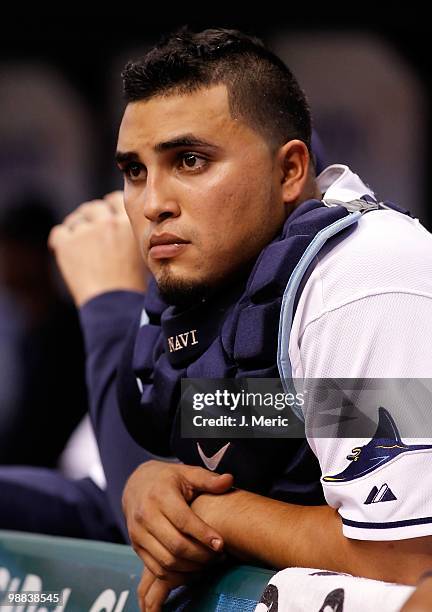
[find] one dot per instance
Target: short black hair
(261, 89)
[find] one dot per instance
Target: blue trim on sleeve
(390, 525)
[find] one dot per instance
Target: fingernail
(216, 544)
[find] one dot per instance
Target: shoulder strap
(356, 209)
(290, 298)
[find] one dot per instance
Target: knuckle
(114, 196)
(181, 521)
(159, 572)
(53, 236)
(89, 205)
(69, 218)
(153, 495)
(152, 565)
(80, 209)
(178, 548)
(138, 516)
(168, 562)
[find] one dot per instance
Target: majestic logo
(212, 463)
(385, 445)
(384, 494)
(181, 341)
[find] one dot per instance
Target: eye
(192, 161)
(134, 171)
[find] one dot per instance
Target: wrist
(203, 506)
(216, 511)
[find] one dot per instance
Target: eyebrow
(123, 157)
(188, 140)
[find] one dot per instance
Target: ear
(294, 163)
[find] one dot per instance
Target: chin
(181, 291)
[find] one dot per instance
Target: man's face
(202, 190)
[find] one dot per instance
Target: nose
(160, 199)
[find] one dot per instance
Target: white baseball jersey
(365, 312)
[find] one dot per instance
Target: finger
(196, 479)
(156, 595)
(76, 214)
(171, 539)
(184, 519)
(144, 585)
(159, 572)
(170, 522)
(152, 592)
(115, 200)
(56, 236)
(74, 219)
(151, 564)
(166, 560)
(89, 211)
(164, 574)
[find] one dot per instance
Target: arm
(278, 535)
(105, 322)
(100, 263)
(286, 535)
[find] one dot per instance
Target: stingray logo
(385, 446)
(182, 341)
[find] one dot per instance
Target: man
(223, 200)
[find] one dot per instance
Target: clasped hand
(168, 536)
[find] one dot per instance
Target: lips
(165, 246)
(166, 238)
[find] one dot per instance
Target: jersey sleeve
(105, 322)
(371, 427)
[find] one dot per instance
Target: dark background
(84, 45)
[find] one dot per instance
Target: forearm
(265, 531)
(105, 323)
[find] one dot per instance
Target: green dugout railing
(36, 571)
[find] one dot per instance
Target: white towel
(299, 589)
